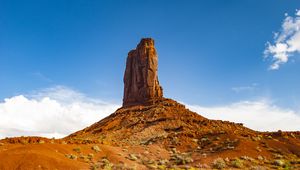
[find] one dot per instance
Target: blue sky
(206, 48)
(211, 53)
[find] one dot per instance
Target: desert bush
(237, 163)
(71, 156)
(96, 148)
(76, 150)
(279, 162)
(219, 163)
(90, 156)
(132, 157)
(106, 164)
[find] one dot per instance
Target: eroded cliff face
(141, 85)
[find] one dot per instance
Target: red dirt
(162, 135)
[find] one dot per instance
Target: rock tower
(141, 85)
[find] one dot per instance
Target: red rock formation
(141, 85)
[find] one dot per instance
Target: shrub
(96, 148)
(90, 156)
(219, 163)
(132, 157)
(71, 156)
(76, 150)
(237, 163)
(279, 162)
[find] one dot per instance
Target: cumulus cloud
(259, 115)
(53, 112)
(286, 42)
(60, 111)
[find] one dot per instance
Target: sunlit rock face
(141, 85)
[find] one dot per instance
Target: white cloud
(298, 13)
(286, 42)
(259, 115)
(59, 111)
(53, 112)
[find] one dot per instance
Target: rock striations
(141, 85)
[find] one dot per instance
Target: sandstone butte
(141, 85)
(152, 132)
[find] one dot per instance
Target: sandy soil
(161, 136)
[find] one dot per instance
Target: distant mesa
(141, 85)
